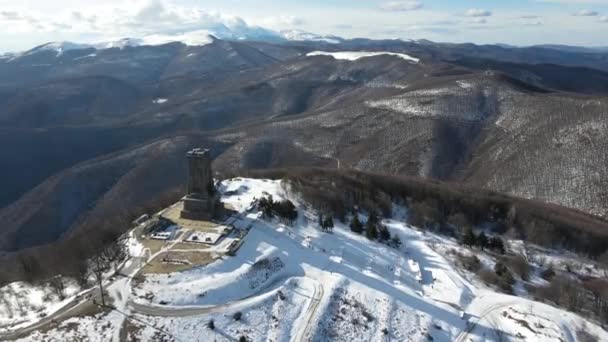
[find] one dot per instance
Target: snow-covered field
(99, 328)
(296, 283)
(22, 304)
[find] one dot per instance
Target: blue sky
(25, 23)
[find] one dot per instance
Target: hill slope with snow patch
(294, 282)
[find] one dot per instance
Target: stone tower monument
(202, 199)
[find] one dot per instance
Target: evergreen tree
(328, 224)
(385, 235)
(266, 204)
(468, 237)
(371, 229)
(396, 241)
(496, 244)
(355, 225)
(482, 241)
(286, 210)
(373, 218)
(321, 222)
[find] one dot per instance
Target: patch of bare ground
(170, 262)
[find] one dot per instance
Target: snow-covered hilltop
(307, 279)
(355, 55)
(299, 35)
(191, 38)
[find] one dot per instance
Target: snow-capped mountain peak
(59, 47)
(190, 38)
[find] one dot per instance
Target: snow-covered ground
(296, 283)
(98, 328)
(355, 55)
(22, 303)
(267, 317)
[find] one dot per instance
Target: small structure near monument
(202, 201)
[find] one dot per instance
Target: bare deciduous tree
(99, 264)
(57, 284)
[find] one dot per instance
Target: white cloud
(476, 12)
(586, 13)
(574, 2)
(604, 19)
(401, 6)
(26, 23)
(280, 22)
(479, 20)
(130, 19)
(534, 23)
(17, 16)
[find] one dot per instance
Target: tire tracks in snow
(306, 333)
(471, 325)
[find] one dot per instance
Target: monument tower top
(200, 176)
(202, 199)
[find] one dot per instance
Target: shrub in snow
(211, 325)
(368, 316)
(563, 291)
(237, 316)
(519, 265)
(505, 278)
(584, 336)
(469, 262)
(488, 277)
(497, 245)
(425, 214)
(548, 273)
(262, 270)
(395, 242)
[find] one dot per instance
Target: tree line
(442, 206)
(72, 256)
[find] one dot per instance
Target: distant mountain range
(189, 38)
(88, 128)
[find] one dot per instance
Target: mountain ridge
(450, 116)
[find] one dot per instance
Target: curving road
(71, 308)
(304, 334)
(176, 311)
